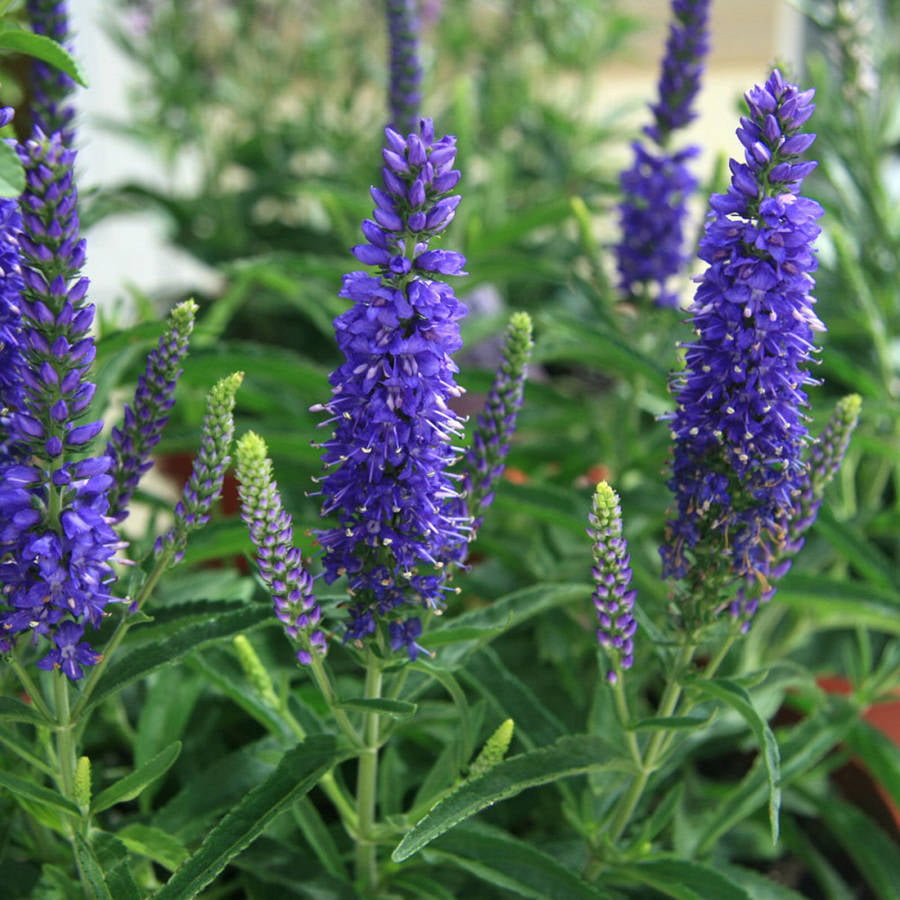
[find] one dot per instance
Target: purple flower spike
(387, 482)
(130, 445)
(738, 428)
(658, 185)
(280, 564)
(405, 95)
(613, 597)
(208, 472)
(55, 537)
(496, 424)
(51, 88)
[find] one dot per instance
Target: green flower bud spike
(254, 671)
(494, 750)
(83, 783)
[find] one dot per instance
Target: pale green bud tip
(221, 397)
(83, 782)
(251, 449)
(518, 338)
(494, 749)
(183, 315)
(847, 409)
(607, 511)
(254, 670)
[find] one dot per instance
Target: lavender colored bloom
(388, 484)
(208, 472)
(403, 635)
(130, 445)
(486, 459)
(682, 68)
(826, 453)
(656, 188)
(405, 95)
(739, 428)
(55, 539)
(50, 87)
(613, 596)
(280, 563)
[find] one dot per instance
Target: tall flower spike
(388, 485)
(486, 459)
(405, 96)
(280, 564)
(826, 453)
(613, 596)
(55, 539)
(657, 186)
(738, 428)
(51, 88)
(208, 472)
(131, 444)
(10, 315)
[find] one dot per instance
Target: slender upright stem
(323, 682)
(366, 784)
(65, 744)
(30, 688)
(667, 704)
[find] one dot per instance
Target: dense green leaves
(568, 757)
(131, 785)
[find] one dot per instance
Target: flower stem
(367, 778)
(648, 764)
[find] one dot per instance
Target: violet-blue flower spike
(739, 426)
(613, 596)
(682, 68)
(486, 459)
(11, 362)
(387, 483)
(658, 185)
(279, 561)
(131, 443)
(405, 91)
(51, 88)
(826, 453)
(55, 538)
(208, 472)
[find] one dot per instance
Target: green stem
(667, 704)
(367, 778)
(147, 588)
(625, 718)
(30, 688)
(323, 682)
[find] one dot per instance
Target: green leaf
(842, 604)
(682, 879)
(394, 709)
(131, 785)
(805, 746)
(664, 723)
(319, 837)
(12, 175)
(419, 884)
(506, 862)
(297, 773)
(567, 757)
(873, 851)
(154, 843)
(861, 553)
(36, 793)
(15, 711)
(92, 878)
(141, 661)
(757, 886)
(507, 612)
(880, 755)
(112, 855)
(24, 749)
(44, 48)
(739, 700)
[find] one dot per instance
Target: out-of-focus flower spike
(279, 561)
(486, 459)
(208, 472)
(405, 96)
(131, 443)
(613, 596)
(51, 88)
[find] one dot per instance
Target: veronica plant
(404, 94)
(656, 188)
